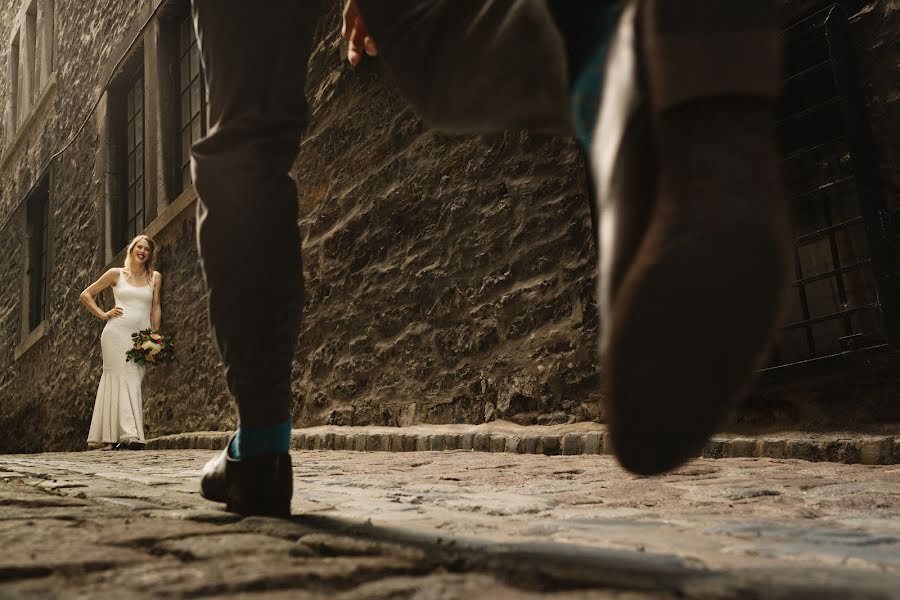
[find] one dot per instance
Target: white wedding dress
(118, 408)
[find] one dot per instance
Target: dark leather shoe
(694, 265)
(262, 485)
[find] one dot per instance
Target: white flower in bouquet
(152, 346)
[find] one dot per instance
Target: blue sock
(259, 440)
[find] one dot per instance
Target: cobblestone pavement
(451, 524)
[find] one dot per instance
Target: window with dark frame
(38, 241)
(133, 171)
(842, 300)
(31, 54)
(30, 60)
(192, 97)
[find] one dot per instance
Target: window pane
(185, 107)
(139, 162)
(129, 204)
(859, 286)
(139, 129)
(195, 129)
(184, 35)
(186, 145)
(815, 257)
(823, 298)
(195, 62)
(195, 97)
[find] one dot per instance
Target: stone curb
(862, 449)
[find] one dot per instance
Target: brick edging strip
(864, 449)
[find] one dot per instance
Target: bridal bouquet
(151, 347)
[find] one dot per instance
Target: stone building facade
(449, 278)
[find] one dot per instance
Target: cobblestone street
(451, 524)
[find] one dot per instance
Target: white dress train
(118, 415)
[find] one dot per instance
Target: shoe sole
(689, 332)
(276, 508)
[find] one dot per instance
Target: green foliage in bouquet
(151, 347)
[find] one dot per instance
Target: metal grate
(844, 297)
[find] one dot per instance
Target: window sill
(23, 130)
(182, 203)
(31, 339)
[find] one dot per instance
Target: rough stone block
(328, 441)
(592, 442)
(714, 448)
(550, 445)
(740, 448)
(298, 441)
(437, 443)
(530, 444)
(607, 444)
(804, 450)
(572, 443)
(452, 441)
(773, 448)
(842, 451)
(396, 442)
(468, 441)
(498, 443)
(360, 442)
(423, 442)
(482, 442)
(409, 442)
(514, 444)
(373, 442)
(340, 441)
(875, 451)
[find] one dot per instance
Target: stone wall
(449, 278)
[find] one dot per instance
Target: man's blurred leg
(254, 57)
(691, 301)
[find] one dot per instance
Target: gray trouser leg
(254, 56)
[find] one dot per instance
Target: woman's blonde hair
(149, 265)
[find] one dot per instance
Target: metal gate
(844, 299)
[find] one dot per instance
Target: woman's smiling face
(141, 251)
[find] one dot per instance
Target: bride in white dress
(118, 419)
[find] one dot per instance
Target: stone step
(847, 448)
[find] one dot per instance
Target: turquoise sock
(259, 440)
